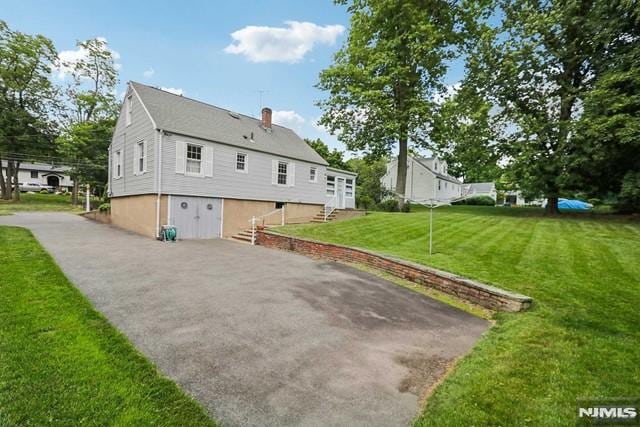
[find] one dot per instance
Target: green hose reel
(169, 233)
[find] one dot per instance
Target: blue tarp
(573, 204)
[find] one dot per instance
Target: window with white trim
(194, 159)
(348, 187)
(313, 174)
(331, 185)
(445, 184)
(129, 108)
(141, 159)
(241, 162)
(34, 174)
(282, 172)
(117, 164)
(439, 185)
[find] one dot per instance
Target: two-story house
(427, 179)
(208, 171)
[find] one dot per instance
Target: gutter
(159, 182)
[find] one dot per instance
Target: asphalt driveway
(260, 336)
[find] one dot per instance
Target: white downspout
(159, 183)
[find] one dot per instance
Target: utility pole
(87, 202)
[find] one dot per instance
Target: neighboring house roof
(185, 116)
(346, 172)
(47, 167)
(480, 187)
(442, 176)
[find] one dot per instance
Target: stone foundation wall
(103, 217)
(466, 289)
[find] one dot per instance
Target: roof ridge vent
(234, 114)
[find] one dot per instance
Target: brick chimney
(266, 118)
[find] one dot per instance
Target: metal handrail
(329, 208)
(262, 217)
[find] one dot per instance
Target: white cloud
(277, 44)
(68, 58)
(149, 73)
(289, 119)
(450, 91)
(173, 90)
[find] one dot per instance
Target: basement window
(34, 174)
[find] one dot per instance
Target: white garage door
(196, 217)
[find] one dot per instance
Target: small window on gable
(313, 174)
(445, 184)
(34, 174)
(439, 185)
(129, 108)
(435, 165)
(241, 162)
(117, 164)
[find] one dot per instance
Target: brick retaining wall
(466, 289)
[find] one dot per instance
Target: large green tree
(536, 67)
(334, 157)
(382, 83)
(26, 96)
(89, 114)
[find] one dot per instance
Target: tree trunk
(3, 184)
(552, 206)
(74, 192)
(401, 178)
(16, 191)
(8, 180)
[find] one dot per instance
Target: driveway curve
(259, 336)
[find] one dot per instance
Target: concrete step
(241, 238)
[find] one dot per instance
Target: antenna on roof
(261, 92)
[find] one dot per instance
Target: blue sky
(218, 52)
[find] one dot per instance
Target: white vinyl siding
(258, 184)
(180, 150)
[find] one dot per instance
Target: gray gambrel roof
(180, 115)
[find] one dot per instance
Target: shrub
(43, 191)
(105, 207)
(389, 205)
(406, 207)
(477, 200)
(629, 197)
(594, 201)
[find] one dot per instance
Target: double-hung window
(348, 192)
(141, 158)
(194, 159)
(331, 185)
(439, 185)
(313, 174)
(282, 172)
(34, 174)
(241, 162)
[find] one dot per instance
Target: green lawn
(62, 363)
(581, 338)
(38, 202)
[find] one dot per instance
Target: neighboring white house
(44, 174)
(208, 171)
(480, 189)
(427, 179)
